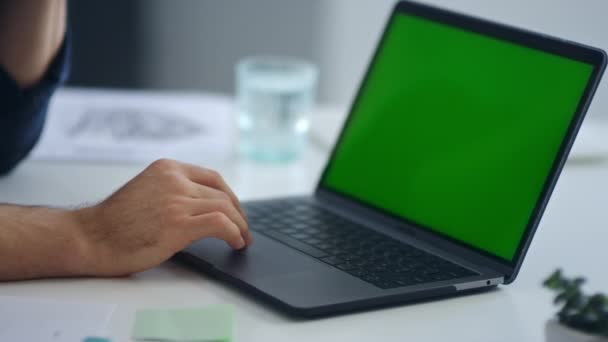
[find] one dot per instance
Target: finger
(217, 225)
(212, 179)
(201, 192)
(196, 207)
(196, 190)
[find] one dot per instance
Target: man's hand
(158, 213)
(155, 215)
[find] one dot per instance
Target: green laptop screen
(456, 131)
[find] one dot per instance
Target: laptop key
(287, 231)
(332, 260)
(324, 246)
(440, 276)
(357, 272)
(387, 284)
(347, 256)
(313, 231)
(370, 278)
(300, 226)
(312, 241)
(340, 252)
(300, 236)
(347, 266)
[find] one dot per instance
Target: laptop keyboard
(362, 252)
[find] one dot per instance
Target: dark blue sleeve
(23, 111)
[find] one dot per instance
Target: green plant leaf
(579, 311)
(579, 281)
(555, 280)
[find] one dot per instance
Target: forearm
(30, 36)
(155, 215)
(37, 242)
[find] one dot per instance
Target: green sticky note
(213, 323)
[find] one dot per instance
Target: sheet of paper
(42, 320)
(213, 323)
(137, 126)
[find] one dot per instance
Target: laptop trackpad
(264, 258)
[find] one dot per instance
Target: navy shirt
(23, 111)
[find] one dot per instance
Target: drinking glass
(275, 96)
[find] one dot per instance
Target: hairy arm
(155, 215)
(31, 33)
(39, 242)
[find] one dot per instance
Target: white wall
(195, 43)
(350, 30)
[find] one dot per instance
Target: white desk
(572, 234)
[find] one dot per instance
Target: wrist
(39, 242)
(92, 246)
(79, 257)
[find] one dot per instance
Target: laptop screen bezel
(541, 42)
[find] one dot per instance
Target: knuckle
(224, 196)
(173, 179)
(220, 219)
(164, 164)
(224, 206)
(178, 221)
(214, 176)
(174, 212)
(172, 176)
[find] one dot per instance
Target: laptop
(438, 180)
